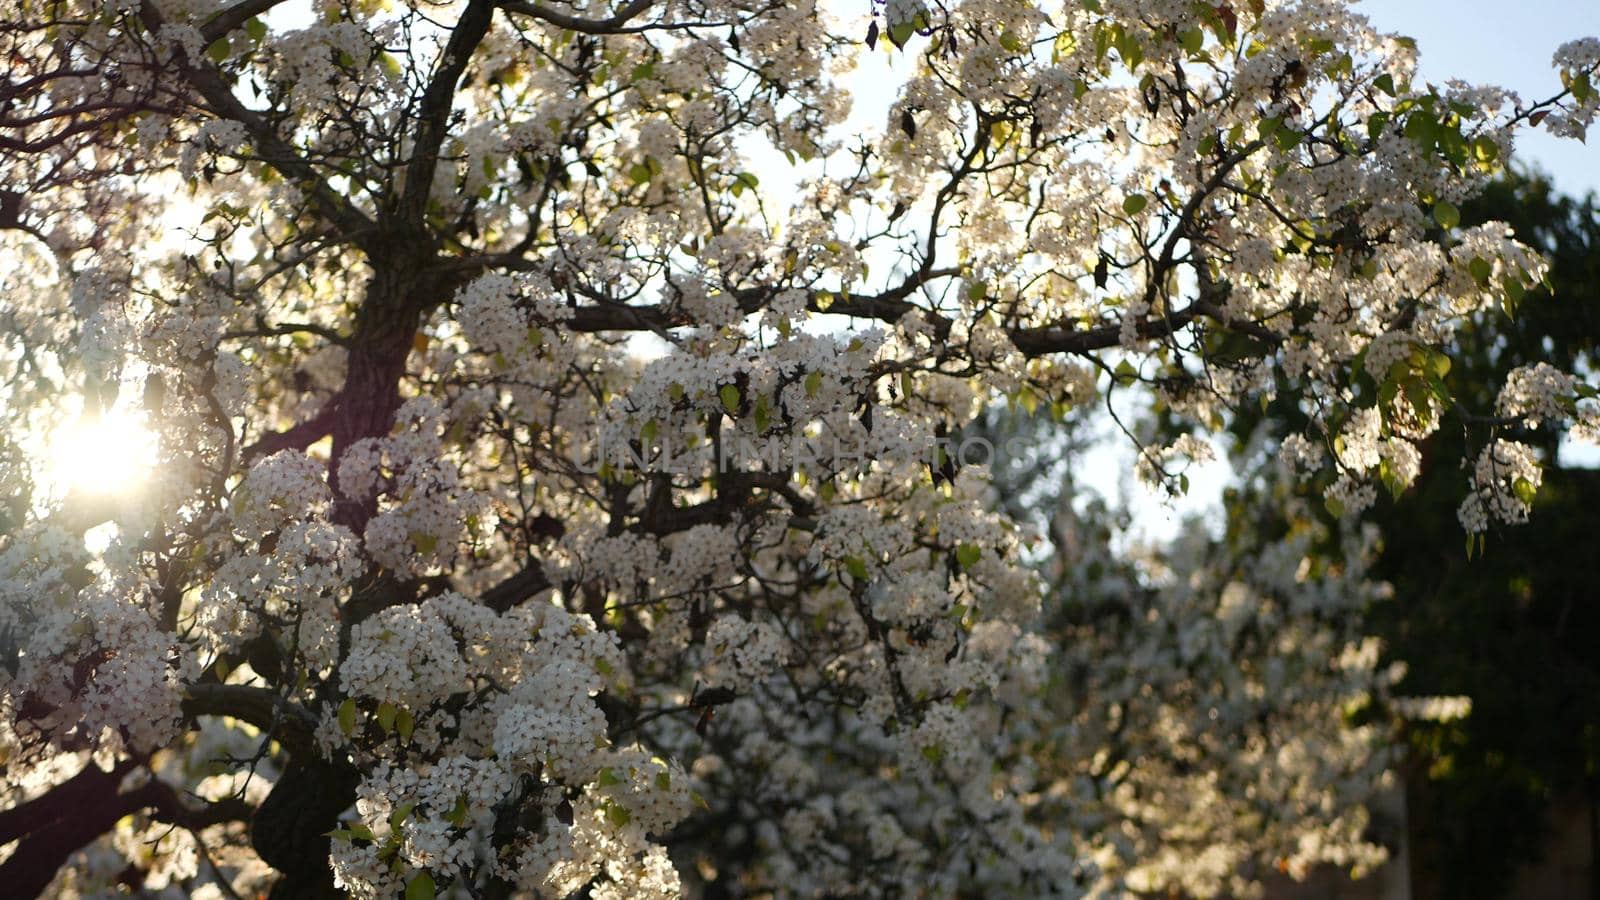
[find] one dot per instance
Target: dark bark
(290, 829)
(397, 296)
(52, 827)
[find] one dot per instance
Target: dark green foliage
(1518, 629)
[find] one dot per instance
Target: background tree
(1507, 631)
(1512, 631)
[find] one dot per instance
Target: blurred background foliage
(1516, 629)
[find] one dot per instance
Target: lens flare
(105, 454)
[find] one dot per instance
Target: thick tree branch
(433, 115)
(290, 724)
(614, 25)
(517, 588)
(53, 826)
(297, 437)
(235, 16)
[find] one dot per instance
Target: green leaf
(424, 542)
(618, 814)
(1446, 214)
(1480, 269)
(1454, 145)
(813, 384)
(217, 51)
(1514, 294)
(857, 567)
(1026, 398)
(608, 777)
(1385, 83)
(1391, 480)
(1134, 204)
(1010, 41)
(1423, 128)
(1335, 507)
(1487, 151)
(1417, 394)
(1376, 124)
(421, 887)
(968, 555)
(901, 32)
(256, 28)
(347, 716)
(386, 713)
(1524, 490)
(1125, 373)
(400, 813)
(405, 723)
(744, 180)
(1130, 49)
(1582, 87)
(457, 815)
(730, 398)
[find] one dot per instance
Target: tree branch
(517, 588)
(235, 16)
(433, 116)
(290, 724)
(612, 25)
(270, 147)
(297, 437)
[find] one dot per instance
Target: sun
(104, 454)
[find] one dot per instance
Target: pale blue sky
(1508, 44)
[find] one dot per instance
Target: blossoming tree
(551, 416)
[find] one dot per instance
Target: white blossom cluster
(1504, 479)
(1539, 393)
(1207, 713)
(98, 671)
